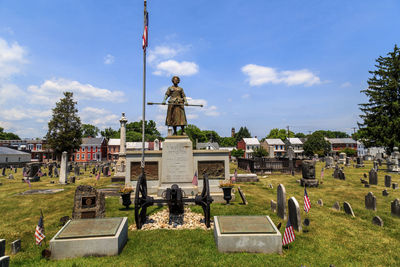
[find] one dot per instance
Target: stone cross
(281, 199)
(373, 177)
(64, 168)
(294, 214)
(370, 201)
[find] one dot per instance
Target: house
(248, 145)
(113, 149)
(207, 146)
(338, 144)
(37, 148)
(297, 146)
(275, 147)
(9, 156)
(91, 149)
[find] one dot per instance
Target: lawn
(333, 237)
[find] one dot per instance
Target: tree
(238, 153)
(381, 114)
(109, 133)
(316, 144)
(333, 134)
(227, 142)
(279, 134)
(134, 131)
(8, 136)
(260, 152)
(89, 130)
(300, 135)
(64, 133)
(349, 152)
(242, 133)
(195, 134)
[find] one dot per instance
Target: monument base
(309, 182)
(90, 237)
(257, 234)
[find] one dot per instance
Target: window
(83, 156)
(39, 147)
(83, 149)
(276, 147)
(6, 159)
(77, 156)
(30, 147)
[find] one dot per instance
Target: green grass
(333, 237)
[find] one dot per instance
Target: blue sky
(260, 64)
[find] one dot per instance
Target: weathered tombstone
(77, 170)
(395, 186)
(281, 199)
(395, 207)
(51, 170)
(336, 206)
(385, 193)
(56, 173)
(347, 209)
(15, 246)
(308, 172)
(373, 177)
(2, 247)
(320, 202)
(242, 196)
(11, 177)
(367, 185)
(33, 172)
(85, 166)
(5, 261)
(336, 172)
(294, 214)
(3, 172)
(15, 169)
(388, 180)
(88, 203)
(64, 168)
(348, 161)
(342, 158)
(375, 165)
(378, 221)
(70, 168)
(360, 162)
(273, 206)
(328, 162)
(341, 175)
(370, 201)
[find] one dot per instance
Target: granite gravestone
(77, 170)
(360, 162)
(395, 186)
(373, 177)
(336, 206)
(336, 172)
(294, 214)
(342, 158)
(395, 207)
(15, 246)
(378, 221)
(308, 173)
(385, 193)
(341, 175)
(348, 161)
(370, 201)
(2, 247)
(347, 208)
(281, 200)
(388, 180)
(328, 162)
(88, 203)
(5, 261)
(273, 206)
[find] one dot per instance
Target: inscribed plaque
(245, 224)
(214, 169)
(150, 169)
(90, 228)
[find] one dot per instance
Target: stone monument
(88, 203)
(308, 172)
(121, 163)
(342, 158)
(393, 161)
(64, 168)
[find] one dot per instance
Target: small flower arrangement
(126, 190)
(226, 183)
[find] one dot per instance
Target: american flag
(307, 203)
(98, 176)
(195, 181)
(145, 36)
(288, 236)
(234, 176)
(39, 232)
(28, 182)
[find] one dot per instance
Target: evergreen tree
(64, 133)
(242, 133)
(109, 133)
(381, 118)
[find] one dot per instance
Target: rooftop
(295, 141)
(9, 151)
(251, 141)
(274, 141)
(92, 141)
(341, 141)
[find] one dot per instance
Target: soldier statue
(176, 112)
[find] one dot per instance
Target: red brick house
(338, 144)
(248, 145)
(91, 149)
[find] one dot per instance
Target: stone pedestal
(64, 168)
(121, 163)
(308, 172)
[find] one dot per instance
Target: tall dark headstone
(373, 177)
(370, 201)
(395, 207)
(308, 172)
(281, 200)
(5, 261)
(294, 214)
(347, 209)
(2, 247)
(388, 180)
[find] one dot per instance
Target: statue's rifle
(175, 104)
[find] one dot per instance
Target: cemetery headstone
(360, 162)
(84, 166)
(320, 202)
(367, 185)
(242, 196)
(395, 186)
(375, 165)
(77, 170)
(56, 173)
(11, 177)
(294, 214)
(5, 261)
(51, 170)
(273, 206)
(3, 172)
(385, 193)
(15, 169)
(378, 221)
(88, 203)
(2, 247)
(395, 207)
(308, 173)
(336, 172)
(64, 168)
(336, 206)
(347, 209)
(328, 162)
(15, 246)
(370, 201)
(342, 158)
(348, 161)
(373, 177)
(388, 180)
(281, 200)
(341, 175)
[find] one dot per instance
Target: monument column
(63, 168)
(121, 164)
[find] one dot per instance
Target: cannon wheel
(141, 203)
(205, 200)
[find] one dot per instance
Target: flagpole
(144, 90)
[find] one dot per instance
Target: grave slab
(256, 234)
(90, 237)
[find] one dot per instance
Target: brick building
(91, 149)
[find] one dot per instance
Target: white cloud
(172, 67)
(161, 52)
(346, 84)
(99, 117)
(17, 113)
(6, 125)
(12, 57)
(51, 90)
(109, 59)
(259, 75)
(10, 92)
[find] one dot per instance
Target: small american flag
(28, 182)
(39, 232)
(195, 181)
(307, 203)
(288, 236)
(145, 36)
(98, 176)
(234, 176)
